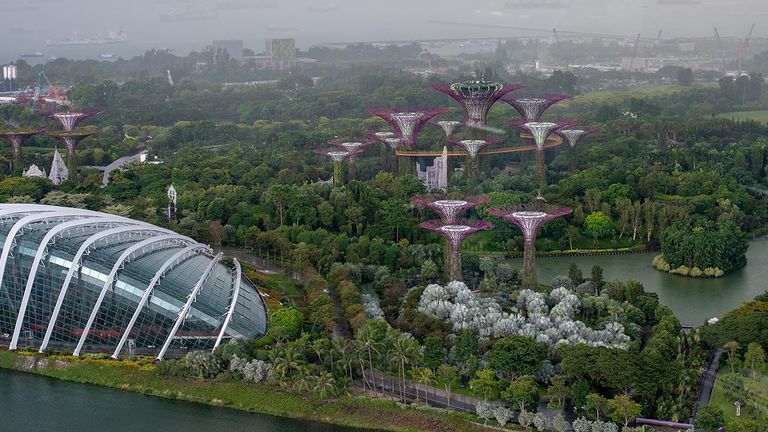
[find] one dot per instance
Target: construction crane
(634, 52)
(744, 47)
(722, 53)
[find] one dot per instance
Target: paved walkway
(707, 383)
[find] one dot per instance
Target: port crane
(744, 47)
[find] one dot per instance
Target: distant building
(233, 48)
(435, 177)
(281, 50)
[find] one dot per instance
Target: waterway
(693, 300)
(36, 403)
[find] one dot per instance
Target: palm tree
(447, 374)
(426, 377)
(285, 360)
(303, 381)
(324, 385)
(368, 345)
(346, 359)
(404, 352)
(731, 348)
(319, 347)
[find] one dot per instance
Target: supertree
(449, 127)
(407, 123)
(449, 210)
(455, 234)
(392, 141)
(529, 218)
(70, 119)
(71, 139)
(354, 147)
(337, 156)
(477, 98)
(573, 136)
(16, 138)
(474, 146)
(531, 109)
(540, 131)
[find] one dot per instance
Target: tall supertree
(16, 139)
(449, 127)
(455, 234)
(474, 146)
(386, 137)
(532, 109)
(573, 137)
(477, 98)
(529, 218)
(449, 210)
(70, 119)
(540, 131)
(337, 156)
(71, 139)
(406, 124)
(354, 147)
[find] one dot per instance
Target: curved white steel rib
(231, 311)
(26, 220)
(111, 278)
(133, 226)
(185, 310)
(36, 265)
(150, 288)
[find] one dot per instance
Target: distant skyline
(30, 22)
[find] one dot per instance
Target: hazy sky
(28, 23)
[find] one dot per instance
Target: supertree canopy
(71, 139)
(573, 136)
(540, 132)
(455, 234)
(474, 146)
(16, 138)
(531, 109)
(477, 98)
(449, 127)
(337, 156)
(350, 144)
(407, 124)
(70, 119)
(450, 210)
(382, 134)
(529, 218)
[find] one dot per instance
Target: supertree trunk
(571, 160)
(541, 169)
(16, 163)
(452, 262)
(352, 169)
(529, 265)
(338, 177)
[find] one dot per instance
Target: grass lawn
(725, 402)
(759, 116)
(613, 96)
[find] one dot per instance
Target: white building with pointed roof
(34, 171)
(59, 172)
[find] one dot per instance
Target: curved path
(707, 383)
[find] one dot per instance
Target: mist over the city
(193, 24)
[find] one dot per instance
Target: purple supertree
(474, 146)
(352, 146)
(449, 210)
(16, 138)
(70, 119)
(531, 109)
(455, 234)
(477, 98)
(337, 156)
(71, 139)
(529, 218)
(573, 136)
(540, 131)
(381, 135)
(449, 127)
(407, 124)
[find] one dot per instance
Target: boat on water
(37, 54)
(99, 39)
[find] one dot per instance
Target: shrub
(204, 364)
(173, 368)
